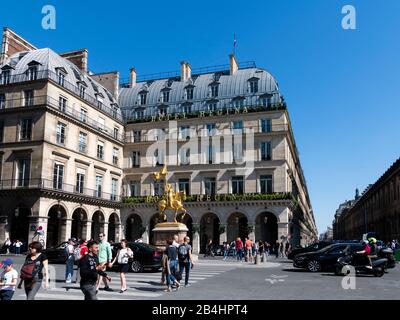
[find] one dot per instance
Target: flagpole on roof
(234, 44)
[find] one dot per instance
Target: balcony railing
(225, 106)
(151, 137)
(51, 75)
(216, 197)
(47, 184)
(64, 108)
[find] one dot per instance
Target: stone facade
(376, 210)
(67, 160)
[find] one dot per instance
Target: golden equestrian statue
(172, 200)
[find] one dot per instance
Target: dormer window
(60, 78)
(214, 90)
(189, 93)
(266, 100)
(165, 96)
(5, 77)
(253, 85)
(186, 108)
(143, 98)
(212, 105)
(238, 102)
(32, 73)
(82, 90)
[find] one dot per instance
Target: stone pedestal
(166, 230)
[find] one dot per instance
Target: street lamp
(265, 220)
(16, 212)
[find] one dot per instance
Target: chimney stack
(132, 77)
(233, 64)
(186, 71)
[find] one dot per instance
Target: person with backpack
(123, 255)
(185, 259)
(79, 253)
(69, 263)
(172, 254)
(32, 271)
(90, 270)
(8, 280)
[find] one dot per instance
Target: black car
(311, 248)
(325, 258)
(57, 254)
(145, 256)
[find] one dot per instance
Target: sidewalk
(218, 260)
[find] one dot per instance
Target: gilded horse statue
(172, 200)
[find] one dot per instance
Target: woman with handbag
(123, 256)
(32, 271)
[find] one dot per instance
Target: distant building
(376, 210)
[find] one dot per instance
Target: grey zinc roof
(49, 60)
(230, 86)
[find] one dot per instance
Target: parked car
(56, 254)
(312, 247)
(326, 258)
(145, 256)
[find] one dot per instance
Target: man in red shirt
(239, 249)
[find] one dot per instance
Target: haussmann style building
(78, 151)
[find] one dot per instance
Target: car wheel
(314, 266)
(136, 266)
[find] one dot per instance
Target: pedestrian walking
(282, 249)
(172, 264)
(18, 245)
(8, 280)
(7, 245)
(32, 271)
(123, 256)
(209, 251)
(276, 249)
(79, 253)
(239, 249)
(105, 257)
(165, 267)
(248, 244)
(90, 271)
(185, 259)
(226, 249)
(69, 263)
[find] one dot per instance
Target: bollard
(257, 259)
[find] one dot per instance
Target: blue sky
(341, 86)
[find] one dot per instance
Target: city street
(215, 279)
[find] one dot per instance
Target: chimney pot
(132, 77)
(186, 71)
(233, 64)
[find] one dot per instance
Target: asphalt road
(214, 279)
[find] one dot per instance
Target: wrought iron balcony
(57, 186)
(64, 108)
(51, 75)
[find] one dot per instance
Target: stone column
(87, 229)
(4, 234)
(118, 232)
(252, 234)
(283, 230)
(146, 234)
(105, 230)
(223, 237)
(196, 238)
(66, 230)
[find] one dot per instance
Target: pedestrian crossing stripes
(140, 285)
